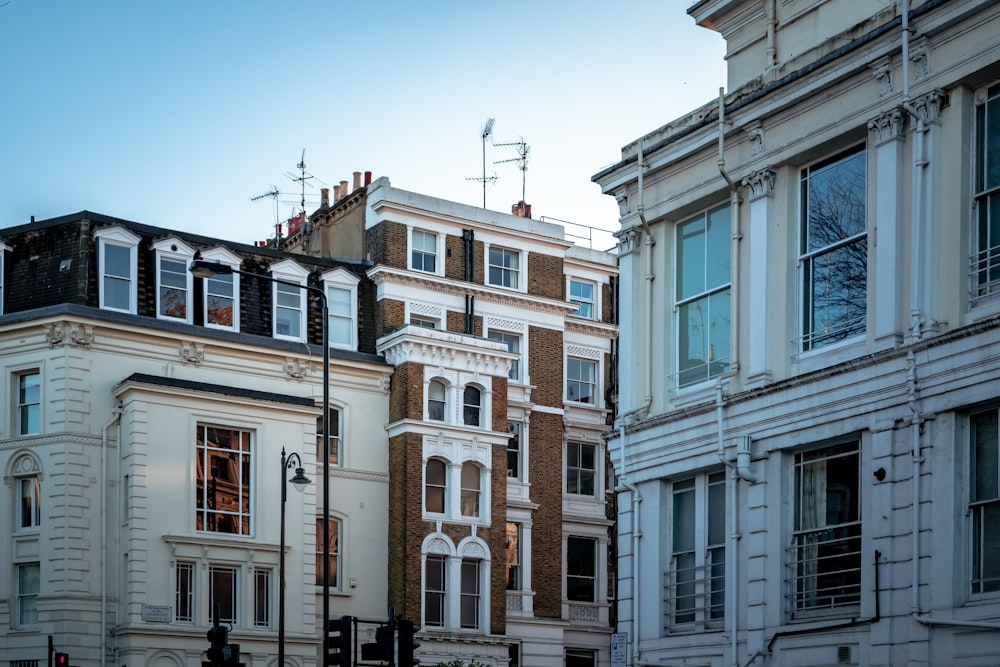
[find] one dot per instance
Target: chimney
(343, 189)
(357, 180)
(521, 210)
(324, 197)
(368, 178)
(336, 193)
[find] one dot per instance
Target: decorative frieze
(80, 335)
(296, 369)
(191, 353)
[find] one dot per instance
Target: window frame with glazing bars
(985, 263)
(984, 500)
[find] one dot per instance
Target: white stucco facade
(808, 363)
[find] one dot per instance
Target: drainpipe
(920, 163)
(647, 400)
(734, 204)
(636, 534)
(740, 470)
(116, 414)
(916, 421)
(772, 22)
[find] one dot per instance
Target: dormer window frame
(281, 297)
(344, 281)
(179, 255)
(210, 287)
(119, 238)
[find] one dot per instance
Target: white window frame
(813, 335)
(28, 487)
(26, 614)
(983, 496)
(574, 467)
(985, 275)
(517, 431)
(575, 657)
(423, 314)
(336, 424)
(344, 283)
(440, 594)
(20, 404)
(234, 594)
(805, 585)
(471, 472)
(438, 253)
(518, 271)
(226, 258)
(507, 337)
(442, 400)
(262, 588)
(445, 496)
(118, 237)
(595, 385)
(203, 461)
(580, 301)
(594, 579)
(699, 301)
(185, 587)
(694, 602)
(337, 559)
(473, 593)
(172, 249)
(476, 410)
(290, 272)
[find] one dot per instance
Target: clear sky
(175, 113)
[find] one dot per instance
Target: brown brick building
(501, 333)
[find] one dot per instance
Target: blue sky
(176, 113)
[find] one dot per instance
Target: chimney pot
(368, 178)
(336, 193)
(343, 189)
(357, 180)
(324, 197)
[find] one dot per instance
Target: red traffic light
(62, 659)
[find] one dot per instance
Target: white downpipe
(647, 400)
(917, 199)
(915, 423)
(116, 414)
(772, 22)
(737, 235)
(636, 534)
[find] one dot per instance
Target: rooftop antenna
(523, 150)
(301, 178)
(273, 194)
(486, 133)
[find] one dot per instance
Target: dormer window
(116, 268)
(342, 302)
(173, 280)
(289, 301)
(221, 302)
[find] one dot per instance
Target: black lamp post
(300, 480)
(204, 269)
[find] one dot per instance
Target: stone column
(759, 190)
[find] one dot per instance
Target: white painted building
(807, 443)
(145, 415)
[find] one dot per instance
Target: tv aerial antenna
(302, 178)
(523, 150)
(485, 133)
(273, 193)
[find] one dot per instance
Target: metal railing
(695, 596)
(825, 568)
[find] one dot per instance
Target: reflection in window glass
(470, 489)
(223, 593)
(435, 486)
(434, 590)
(223, 480)
(173, 302)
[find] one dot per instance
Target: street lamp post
(300, 480)
(205, 269)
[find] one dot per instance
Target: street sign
(619, 649)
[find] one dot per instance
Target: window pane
(31, 514)
(471, 413)
(117, 261)
(580, 569)
(184, 593)
(29, 403)
(173, 288)
(28, 587)
(985, 457)
(117, 293)
(435, 486)
(470, 489)
(222, 592)
(513, 553)
(333, 553)
(514, 450)
(470, 594)
(434, 591)
(262, 598)
(223, 485)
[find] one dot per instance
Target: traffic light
(62, 659)
(339, 638)
(217, 637)
(382, 649)
(231, 655)
(407, 643)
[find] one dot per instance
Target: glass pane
(838, 288)
(173, 273)
(684, 520)
(717, 512)
(220, 311)
(990, 551)
(992, 143)
(117, 293)
(117, 261)
(691, 258)
(985, 457)
(339, 302)
(836, 201)
(719, 248)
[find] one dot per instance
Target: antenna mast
(273, 194)
(523, 150)
(485, 134)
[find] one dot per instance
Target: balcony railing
(695, 595)
(825, 568)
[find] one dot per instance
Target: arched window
(436, 400)
(470, 489)
(435, 486)
(472, 406)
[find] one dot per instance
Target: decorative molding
(474, 550)
(55, 333)
(61, 439)
(756, 135)
(520, 300)
(296, 368)
(386, 383)
(517, 326)
(81, 335)
(608, 331)
(760, 183)
(584, 352)
(191, 353)
(920, 56)
(622, 197)
(882, 71)
(929, 106)
(438, 546)
(887, 126)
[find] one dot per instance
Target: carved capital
(628, 241)
(929, 105)
(760, 183)
(887, 126)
